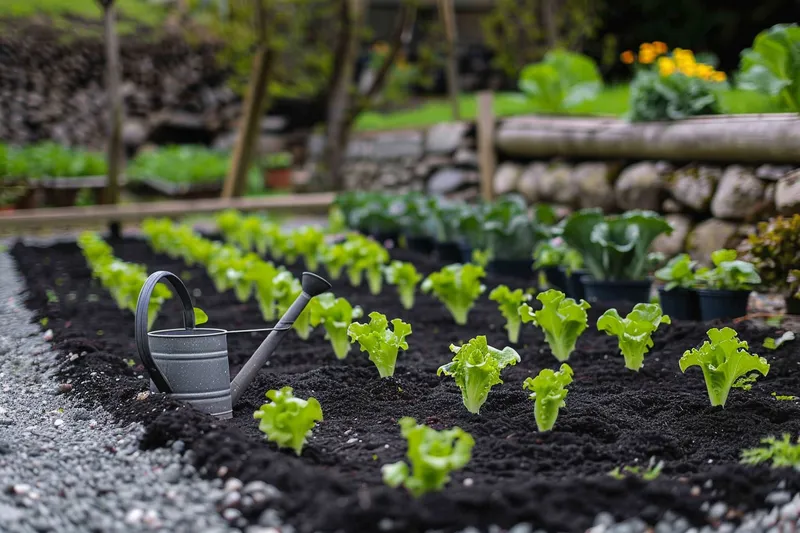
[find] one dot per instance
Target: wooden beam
(487, 159)
(762, 138)
(447, 14)
(310, 203)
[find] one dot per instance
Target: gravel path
(65, 469)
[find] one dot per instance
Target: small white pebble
(468, 482)
(143, 395)
(134, 516)
(58, 422)
(710, 461)
(92, 424)
(48, 335)
(351, 440)
(386, 446)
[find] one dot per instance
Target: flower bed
(558, 480)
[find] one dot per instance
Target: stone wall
(709, 205)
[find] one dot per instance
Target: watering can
(191, 364)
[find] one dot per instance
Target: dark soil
(558, 481)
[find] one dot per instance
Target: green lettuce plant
(287, 289)
(729, 273)
(508, 303)
(511, 234)
(476, 368)
(287, 421)
(614, 247)
(335, 257)
(367, 256)
(380, 342)
(548, 391)
(634, 331)
(306, 242)
(336, 315)
(432, 456)
(772, 65)
(262, 274)
(678, 273)
(723, 359)
(457, 287)
(561, 81)
(561, 319)
(405, 277)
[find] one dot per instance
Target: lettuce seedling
(432, 455)
(476, 368)
(678, 273)
(288, 421)
(549, 390)
(457, 287)
(308, 242)
(287, 289)
(405, 277)
(561, 319)
(380, 342)
(481, 257)
(634, 331)
(729, 273)
(335, 315)
(335, 258)
(263, 274)
(367, 256)
(508, 302)
(723, 360)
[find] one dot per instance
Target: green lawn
(613, 101)
(131, 12)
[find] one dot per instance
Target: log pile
(54, 89)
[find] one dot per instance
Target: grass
(613, 102)
(61, 13)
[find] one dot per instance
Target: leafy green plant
(405, 277)
(306, 242)
(432, 456)
(336, 315)
(49, 160)
(418, 217)
(677, 273)
(723, 360)
(457, 287)
(548, 391)
(366, 256)
(781, 453)
(510, 232)
(286, 420)
(481, 257)
(476, 368)
(772, 65)
(287, 289)
(123, 280)
(380, 342)
(729, 273)
(614, 247)
(561, 319)
(634, 331)
(648, 473)
(184, 164)
(508, 303)
(561, 80)
(335, 257)
(774, 250)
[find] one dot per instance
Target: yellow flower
(683, 56)
(688, 69)
(704, 71)
(718, 76)
(647, 56)
(666, 66)
(646, 48)
(660, 47)
(627, 57)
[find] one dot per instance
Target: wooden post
(448, 16)
(114, 149)
(486, 153)
(254, 102)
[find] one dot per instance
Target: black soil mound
(558, 481)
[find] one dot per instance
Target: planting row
(476, 366)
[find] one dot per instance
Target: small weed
(650, 473)
(746, 382)
(130, 362)
(783, 397)
(52, 297)
(775, 321)
(60, 281)
(780, 452)
(44, 321)
(100, 333)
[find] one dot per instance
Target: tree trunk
(448, 17)
(550, 22)
(254, 104)
(340, 99)
(114, 149)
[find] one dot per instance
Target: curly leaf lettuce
(405, 277)
(634, 331)
(549, 390)
(508, 302)
(476, 368)
(457, 287)
(288, 421)
(723, 360)
(336, 315)
(561, 319)
(380, 342)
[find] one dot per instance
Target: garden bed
(557, 481)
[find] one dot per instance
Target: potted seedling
(378, 215)
(615, 252)
(512, 236)
(677, 294)
(278, 171)
(726, 287)
(448, 220)
(418, 223)
(774, 249)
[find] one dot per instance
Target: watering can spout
(314, 285)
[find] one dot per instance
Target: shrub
(774, 250)
(561, 80)
(772, 65)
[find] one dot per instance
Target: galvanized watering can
(191, 364)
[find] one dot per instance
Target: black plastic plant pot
(423, 245)
(722, 305)
(574, 286)
(466, 253)
(679, 303)
(792, 306)
(449, 252)
(633, 291)
(512, 268)
(556, 278)
(383, 236)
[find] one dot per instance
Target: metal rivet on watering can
(191, 364)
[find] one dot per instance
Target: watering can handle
(142, 343)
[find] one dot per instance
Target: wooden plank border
(301, 204)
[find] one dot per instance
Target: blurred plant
(774, 249)
(49, 159)
(561, 80)
(671, 85)
(772, 65)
